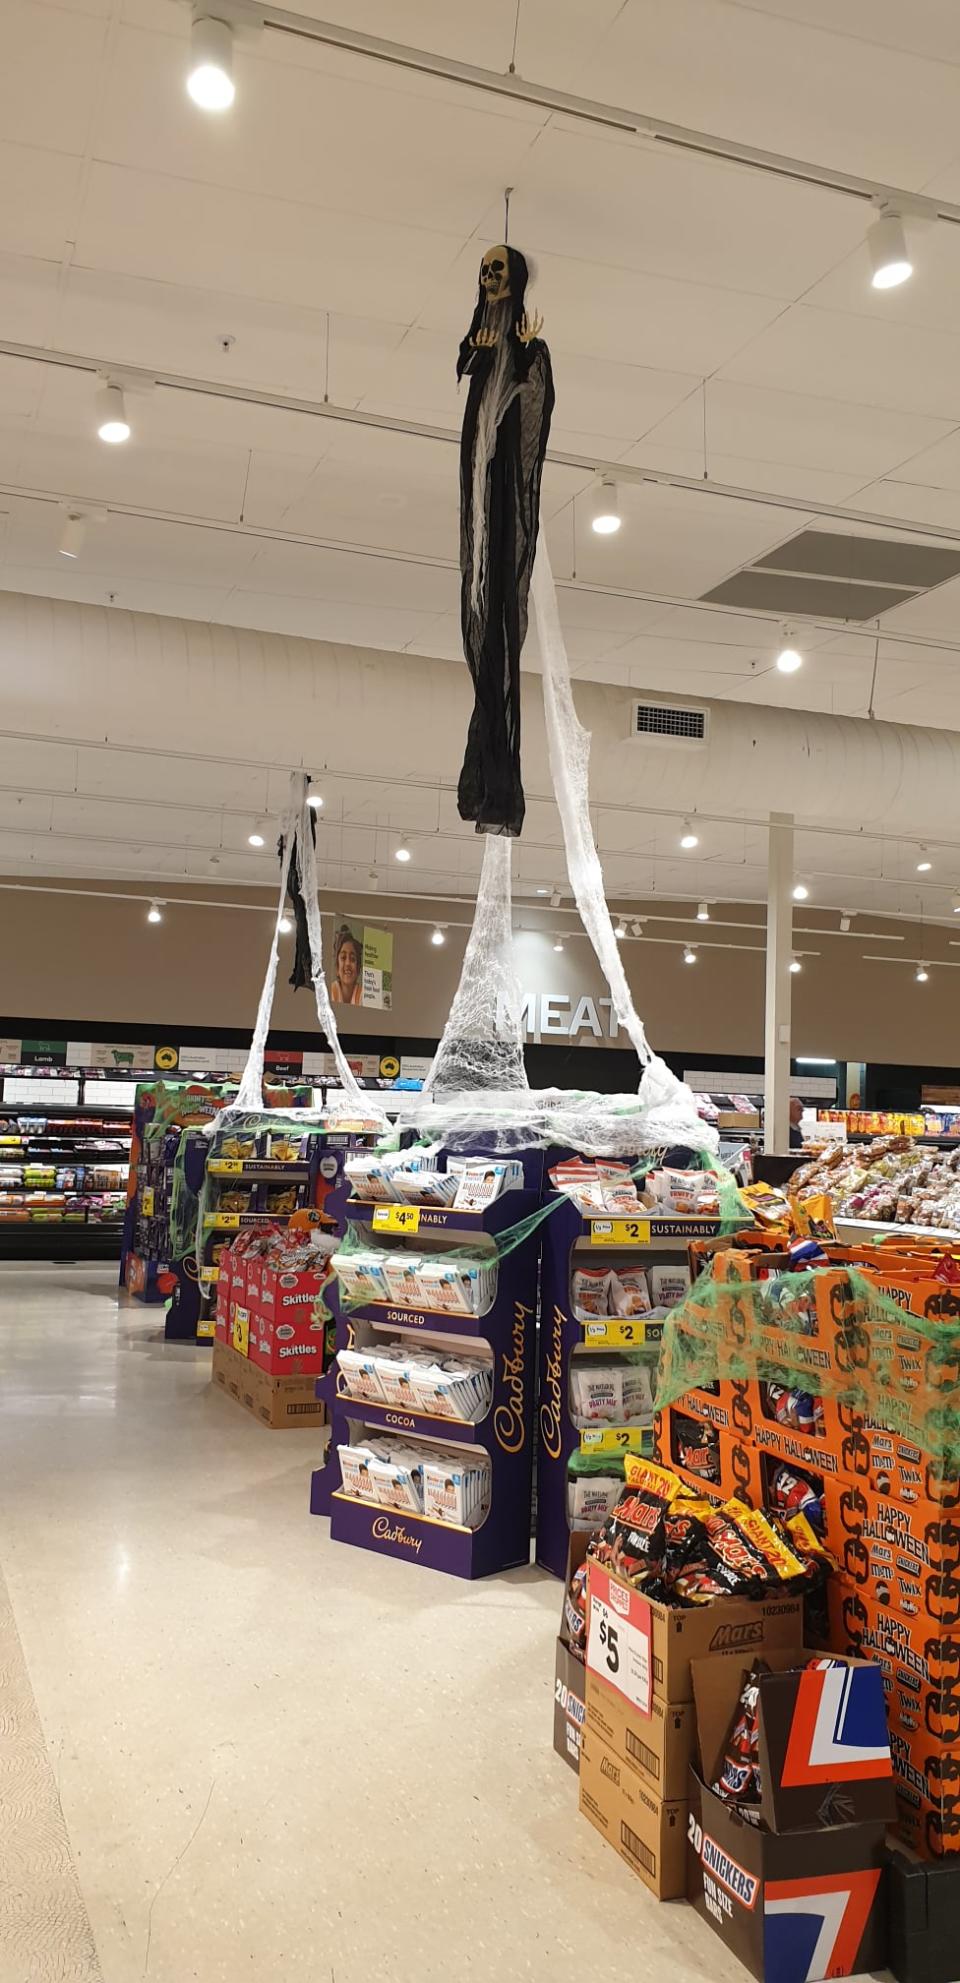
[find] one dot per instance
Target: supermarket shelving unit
(67, 1220)
(506, 1433)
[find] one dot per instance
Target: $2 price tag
(618, 1638)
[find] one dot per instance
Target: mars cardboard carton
(737, 1628)
(647, 1831)
(658, 1745)
(792, 1906)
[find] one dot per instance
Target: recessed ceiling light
(112, 423)
(924, 864)
(887, 248)
(210, 75)
(922, 974)
(605, 508)
(703, 913)
(402, 854)
(153, 913)
(801, 892)
(688, 838)
(690, 955)
(795, 965)
(258, 837)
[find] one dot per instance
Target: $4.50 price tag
(396, 1218)
(618, 1638)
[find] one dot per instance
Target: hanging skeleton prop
(506, 424)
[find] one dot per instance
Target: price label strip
(396, 1218)
(618, 1439)
(619, 1638)
(619, 1232)
(620, 1332)
(226, 1167)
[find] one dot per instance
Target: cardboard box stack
(789, 1804)
(270, 1328)
(888, 1512)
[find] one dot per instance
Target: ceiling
(320, 242)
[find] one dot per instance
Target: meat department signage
(564, 1016)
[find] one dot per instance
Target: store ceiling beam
(590, 110)
(589, 464)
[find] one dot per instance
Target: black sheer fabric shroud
(490, 791)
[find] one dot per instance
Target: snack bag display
(629, 1291)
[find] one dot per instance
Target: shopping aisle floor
(279, 1759)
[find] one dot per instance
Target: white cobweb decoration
(482, 1043)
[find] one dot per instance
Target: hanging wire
(871, 712)
(506, 214)
(703, 398)
(512, 70)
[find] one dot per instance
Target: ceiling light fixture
(789, 658)
(955, 901)
(210, 75)
(258, 837)
(703, 912)
(112, 423)
(558, 944)
(690, 955)
(605, 508)
(815, 1060)
(315, 801)
(795, 966)
(402, 854)
(621, 929)
(284, 926)
(555, 899)
(887, 248)
(844, 922)
(154, 914)
(638, 923)
(689, 839)
(437, 935)
(922, 974)
(543, 891)
(801, 892)
(924, 864)
(72, 536)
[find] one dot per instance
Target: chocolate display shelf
(648, 1236)
(506, 1433)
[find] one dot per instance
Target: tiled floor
(280, 1760)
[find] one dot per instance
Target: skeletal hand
(484, 340)
(529, 327)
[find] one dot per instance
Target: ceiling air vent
(669, 723)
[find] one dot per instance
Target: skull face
(495, 274)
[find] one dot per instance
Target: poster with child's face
(362, 970)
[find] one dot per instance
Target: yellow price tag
(619, 1232)
(208, 1275)
(223, 1221)
(226, 1166)
(146, 1201)
(618, 1439)
(240, 1331)
(396, 1218)
(205, 1329)
(620, 1332)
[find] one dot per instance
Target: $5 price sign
(618, 1638)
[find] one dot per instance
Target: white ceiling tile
(28, 298)
(794, 428)
(860, 359)
(934, 467)
(903, 498)
(38, 200)
(779, 86)
(936, 612)
(182, 231)
(353, 624)
(49, 67)
(345, 578)
(926, 27)
(773, 478)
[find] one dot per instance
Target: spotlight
(72, 536)
(887, 248)
(688, 838)
(703, 912)
(689, 955)
(153, 913)
(638, 923)
(621, 929)
(210, 75)
(112, 423)
(795, 966)
(257, 837)
(789, 658)
(924, 864)
(955, 901)
(605, 508)
(284, 926)
(845, 922)
(558, 945)
(315, 801)
(922, 974)
(437, 936)
(801, 892)
(402, 854)
(555, 899)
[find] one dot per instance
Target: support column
(776, 1042)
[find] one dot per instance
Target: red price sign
(618, 1637)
